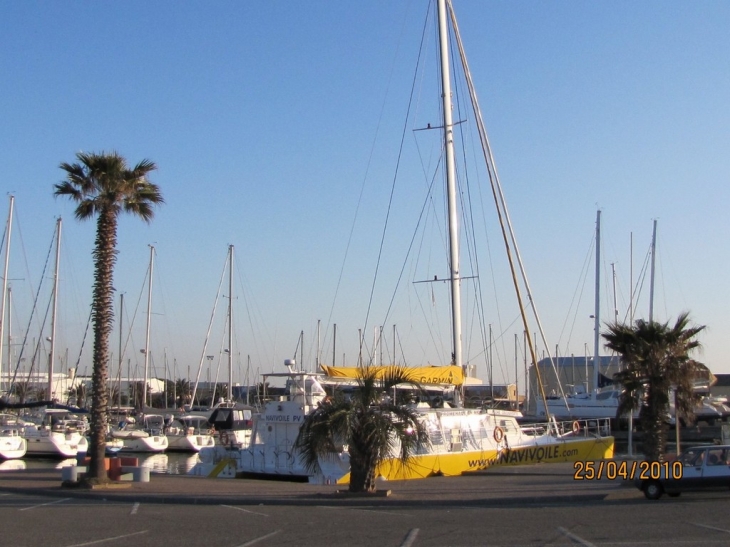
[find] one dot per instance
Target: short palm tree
(656, 358)
(104, 186)
(183, 391)
(21, 390)
(370, 423)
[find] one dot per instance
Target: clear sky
(276, 127)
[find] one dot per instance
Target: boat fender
(576, 427)
(224, 439)
(498, 434)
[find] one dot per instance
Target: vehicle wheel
(674, 494)
(653, 490)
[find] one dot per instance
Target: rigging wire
(360, 196)
(32, 314)
(392, 190)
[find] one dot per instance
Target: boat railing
(591, 427)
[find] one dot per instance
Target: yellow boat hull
(457, 463)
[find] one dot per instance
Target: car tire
(653, 490)
(674, 494)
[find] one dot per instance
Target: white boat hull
(189, 443)
(42, 442)
(12, 447)
(140, 441)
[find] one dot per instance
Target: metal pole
(5, 290)
(55, 309)
(147, 334)
(454, 274)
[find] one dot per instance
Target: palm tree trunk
(104, 259)
(653, 422)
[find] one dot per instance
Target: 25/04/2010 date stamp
(612, 470)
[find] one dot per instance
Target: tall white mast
(230, 323)
(653, 265)
(448, 129)
(55, 308)
(147, 334)
(5, 290)
(597, 312)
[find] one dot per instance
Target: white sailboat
(597, 402)
(189, 433)
(56, 432)
(147, 435)
(230, 421)
(12, 444)
(461, 439)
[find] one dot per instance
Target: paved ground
(513, 486)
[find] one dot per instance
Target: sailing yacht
(461, 439)
(149, 434)
(189, 433)
(12, 444)
(56, 433)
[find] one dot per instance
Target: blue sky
(269, 120)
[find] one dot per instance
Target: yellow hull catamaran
(461, 440)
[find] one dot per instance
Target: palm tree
(104, 186)
(21, 390)
(78, 392)
(183, 391)
(370, 423)
(656, 358)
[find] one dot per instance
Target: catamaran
(461, 440)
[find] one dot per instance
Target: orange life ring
(224, 439)
(498, 434)
(576, 427)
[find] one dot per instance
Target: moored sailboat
(12, 444)
(189, 433)
(57, 433)
(461, 440)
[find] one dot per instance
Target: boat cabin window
(305, 390)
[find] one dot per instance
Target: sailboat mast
(5, 290)
(119, 367)
(653, 265)
(597, 312)
(147, 335)
(55, 308)
(448, 129)
(230, 324)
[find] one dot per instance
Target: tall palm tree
(656, 358)
(370, 423)
(104, 186)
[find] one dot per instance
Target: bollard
(70, 473)
(115, 469)
(141, 474)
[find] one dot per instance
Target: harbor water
(170, 463)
